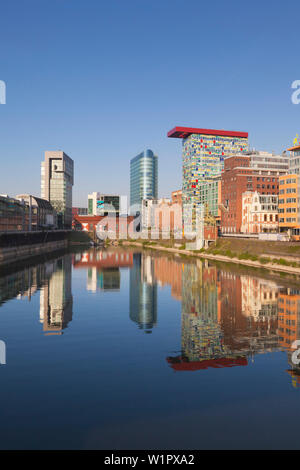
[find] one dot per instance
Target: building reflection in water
(53, 280)
(103, 268)
(56, 301)
(228, 318)
(289, 328)
(143, 292)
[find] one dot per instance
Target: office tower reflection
(143, 292)
(56, 301)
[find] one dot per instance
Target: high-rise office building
(143, 179)
(203, 154)
(57, 179)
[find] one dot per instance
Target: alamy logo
(2, 352)
(296, 94)
(296, 354)
(2, 92)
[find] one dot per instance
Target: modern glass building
(143, 179)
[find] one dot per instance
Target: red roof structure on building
(184, 132)
(181, 365)
(294, 149)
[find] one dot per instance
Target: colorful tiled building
(203, 154)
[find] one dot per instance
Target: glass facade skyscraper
(143, 178)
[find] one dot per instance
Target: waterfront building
(289, 205)
(259, 213)
(203, 154)
(148, 213)
(161, 215)
(168, 217)
(295, 159)
(143, 179)
(57, 179)
(106, 204)
(79, 211)
(117, 227)
(245, 173)
(41, 214)
(14, 214)
(288, 317)
(176, 197)
(263, 161)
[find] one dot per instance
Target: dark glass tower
(143, 178)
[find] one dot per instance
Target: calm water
(120, 349)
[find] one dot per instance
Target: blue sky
(103, 80)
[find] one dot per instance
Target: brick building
(238, 177)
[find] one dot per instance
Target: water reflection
(227, 317)
(103, 268)
(56, 301)
(53, 279)
(143, 292)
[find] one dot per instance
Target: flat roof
(184, 132)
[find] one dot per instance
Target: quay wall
(15, 246)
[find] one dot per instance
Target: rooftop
(184, 132)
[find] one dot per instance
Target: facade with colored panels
(210, 195)
(203, 154)
(289, 205)
(238, 177)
